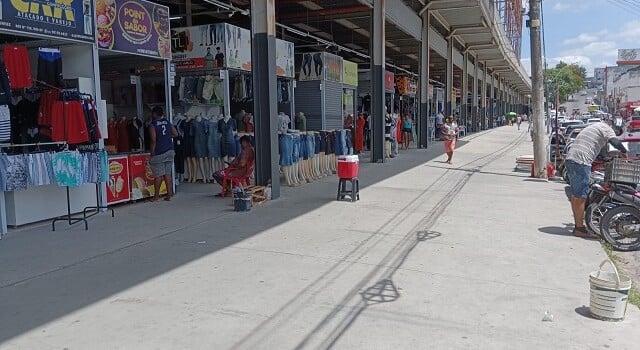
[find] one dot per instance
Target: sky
(586, 32)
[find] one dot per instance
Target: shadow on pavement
(584, 312)
(567, 230)
(45, 275)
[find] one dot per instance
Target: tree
(566, 79)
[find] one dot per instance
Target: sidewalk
(468, 256)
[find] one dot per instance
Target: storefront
(49, 127)
(406, 88)
(133, 38)
(214, 81)
(364, 90)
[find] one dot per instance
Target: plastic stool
(353, 192)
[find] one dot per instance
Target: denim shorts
(296, 148)
(579, 177)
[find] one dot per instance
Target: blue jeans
(296, 148)
(579, 177)
(286, 150)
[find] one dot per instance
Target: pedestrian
(519, 121)
(407, 131)
(584, 150)
(449, 132)
(439, 124)
(161, 134)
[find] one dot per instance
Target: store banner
(118, 186)
(238, 48)
(199, 47)
(60, 19)
(350, 73)
(389, 81)
(321, 66)
(135, 26)
(285, 59)
(406, 85)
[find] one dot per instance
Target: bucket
(242, 201)
(609, 294)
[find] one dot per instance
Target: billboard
(321, 66)
(238, 48)
(284, 59)
(199, 47)
(628, 56)
(69, 19)
(135, 26)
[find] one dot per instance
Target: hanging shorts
(16, 59)
(68, 122)
(5, 123)
(50, 66)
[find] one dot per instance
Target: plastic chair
(462, 131)
(229, 181)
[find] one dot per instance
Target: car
(569, 129)
(593, 120)
(584, 93)
(573, 134)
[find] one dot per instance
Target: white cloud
(561, 7)
(526, 63)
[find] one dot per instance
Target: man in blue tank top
(161, 134)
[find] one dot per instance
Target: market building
(279, 71)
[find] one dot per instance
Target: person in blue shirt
(161, 133)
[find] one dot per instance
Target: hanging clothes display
(16, 60)
(67, 168)
(199, 133)
(40, 169)
(13, 172)
(123, 132)
(5, 100)
(359, 136)
(50, 66)
(74, 119)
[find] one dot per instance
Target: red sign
(141, 177)
(389, 81)
(118, 186)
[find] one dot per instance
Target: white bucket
(609, 294)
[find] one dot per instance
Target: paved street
(468, 256)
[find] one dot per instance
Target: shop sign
(628, 56)
(118, 188)
(285, 59)
(60, 19)
(135, 26)
(199, 47)
(350, 73)
(389, 81)
(321, 66)
(238, 48)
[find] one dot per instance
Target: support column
(483, 115)
(448, 106)
(377, 81)
(492, 101)
(189, 13)
(474, 96)
(423, 122)
(263, 57)
(464, 95)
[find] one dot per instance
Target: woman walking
(407, 131)
(449, 131)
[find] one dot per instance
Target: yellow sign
(350, 73)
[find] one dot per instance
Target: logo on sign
(56, 12)
(135, 22)
(115, 168)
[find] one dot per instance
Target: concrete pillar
(377, 81)
(483, 115)
(422, 124)
(474, 96)
(464, 96)
(492, 102)
(263, 57)
(449, 79)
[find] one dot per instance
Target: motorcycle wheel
(593, 215)
(617, 227)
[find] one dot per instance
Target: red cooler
(348, 167)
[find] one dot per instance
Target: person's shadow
(567, 230)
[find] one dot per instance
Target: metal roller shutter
(309, 101)
(333, 105)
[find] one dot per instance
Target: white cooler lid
(349, 159)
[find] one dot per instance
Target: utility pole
(537, 96)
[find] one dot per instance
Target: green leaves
(566, 79)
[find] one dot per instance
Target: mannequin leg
(219, 164)
(294, 173)
(201, 163)
(207, 167)
(316, 166)
(212, 168)
(191, 164)
(300, 166)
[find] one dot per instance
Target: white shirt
(439, 119)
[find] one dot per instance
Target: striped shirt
(589, 143)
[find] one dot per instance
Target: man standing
(219, 58)
(519, 121)
(161, 134)
(582, 153)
